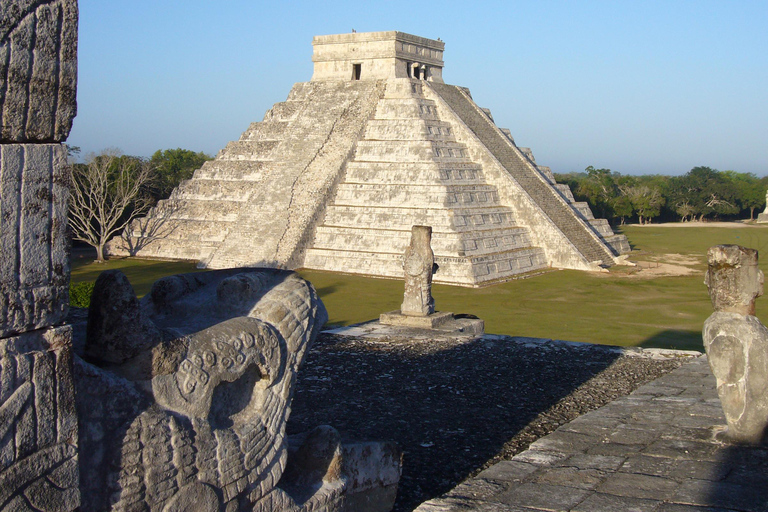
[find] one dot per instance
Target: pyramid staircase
(408, 169)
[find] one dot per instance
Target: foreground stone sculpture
(418, 307)
(419, 266)
(763, 217)
(187, 399)
(38, 423)
(737, 342)
(334, 177)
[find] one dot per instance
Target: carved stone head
(733, 279)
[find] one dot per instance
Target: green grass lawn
(607, 308)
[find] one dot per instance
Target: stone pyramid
(334, 178)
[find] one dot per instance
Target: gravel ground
(457, 406)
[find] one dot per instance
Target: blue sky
(637, 87)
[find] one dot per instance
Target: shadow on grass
(450, 410)
(676, 340)
(327, 290)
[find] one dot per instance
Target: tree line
(109, 189)
(702, 193)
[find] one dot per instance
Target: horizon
(638, 89)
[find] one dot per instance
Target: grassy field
(616, 308)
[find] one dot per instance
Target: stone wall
(34, 248)
(38, 65)
(38, 423)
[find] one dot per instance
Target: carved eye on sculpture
(186, 366)
(197, 360)
(237, 344)
(189, 385)
(240, 359)
(248, 340)
(210, 358)
(226, 362)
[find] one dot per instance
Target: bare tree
(107, 193)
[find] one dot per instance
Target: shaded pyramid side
(408, 169)
(557, 225)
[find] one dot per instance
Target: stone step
(416, 151)
(467, 271)
(168, 248)
(619, 243)
(285, 111)
(406, 109)
(214, 211)
(547, 172)
(445, 243)
(193, 231)
(413, 195)
(272, 130)
(602, 227)
(407, 130)
(456, 219)
(210, 190)
(403, 88)
(248, 150)
(565, 190)
(243, 170)
(422, 173)
(583, 208)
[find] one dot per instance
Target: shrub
(80, 294)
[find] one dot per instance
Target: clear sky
(639, 87)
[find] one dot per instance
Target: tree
(599, 190)
(707, 191)
(108, 192)
(750, 192)
(646, 201)
(174, 166)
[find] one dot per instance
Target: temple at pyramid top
(377, 56)
(334, 177)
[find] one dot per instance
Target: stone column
(38, 434)
(737, 342)
(763, 217)
(419, 266)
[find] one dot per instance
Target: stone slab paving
(653, 450)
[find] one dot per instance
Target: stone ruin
(175, 402)
(334, 178)
(737, 342)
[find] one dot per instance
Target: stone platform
(653, 450)
(394, 324)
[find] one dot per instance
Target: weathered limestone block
(419, 265)
(186, 405)
(38, 425)
(737, 342)
(38, 67)
(34, 248)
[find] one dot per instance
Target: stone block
(34, 248)
(38, 52)
(432, 321)
(38, 431)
